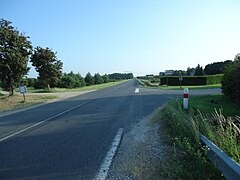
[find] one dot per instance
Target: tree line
(75, 80)
(15, 52)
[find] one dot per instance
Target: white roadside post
(185, 98)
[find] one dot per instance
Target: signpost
(180, 80)
(23, 90)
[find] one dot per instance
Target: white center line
(103, 171)
(137, 90)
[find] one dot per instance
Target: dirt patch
(141, 154)
(14, 104)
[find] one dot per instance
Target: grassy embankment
(182, 130)
(148, 84)
(16, 102)
(8, 103)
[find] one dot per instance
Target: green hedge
(191, 80)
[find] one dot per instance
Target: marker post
(185, 98)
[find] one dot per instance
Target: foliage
(179, 72)
(199, 71)
(190, 71)
(191, 80)
(216, 67)
(185, 128)
(120, 76)
(231, 80)
(72, 80)
(48, 66)
(15, 49)
(105, 78)
(89, 79)
(98, 79)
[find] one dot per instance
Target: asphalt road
(74, 135)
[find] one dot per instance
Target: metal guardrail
(229, 168)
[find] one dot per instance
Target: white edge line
(104, 168)
(36, 124)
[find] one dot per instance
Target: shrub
(191, 80)
(231, 80)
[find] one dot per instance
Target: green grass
(148, 84)
(213, 86)
(85, 88)
(207, 104)
(182, 130)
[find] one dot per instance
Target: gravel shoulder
(142, 152)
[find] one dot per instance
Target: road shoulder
(141, 153)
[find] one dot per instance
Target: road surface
(69, 139)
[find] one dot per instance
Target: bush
(185, 129)
(191, 80)
(231, 80)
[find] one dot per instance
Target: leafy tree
(89, 79)
(98, 79)
(72, 80)
(231, 80)
(199, 71)
(48, 66)
(15, 49)
(190, 71)
(120, 76)
(31, 82)
(216, 67)
(105, 78)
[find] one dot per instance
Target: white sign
(22, 89)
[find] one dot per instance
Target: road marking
(137, 90)
(103, 171)
(59, 114)
(41, 122)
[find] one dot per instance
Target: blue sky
(129, 35)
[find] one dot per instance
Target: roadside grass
(212, 86)
(148, 84)
(85, 88)
(208, 104)
(189, 156)
(9, 103)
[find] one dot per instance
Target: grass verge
(208, 104)
(9, 103)
(148, 84)
(189, 156)
(85, 88)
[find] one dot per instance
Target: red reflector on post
(185, 95)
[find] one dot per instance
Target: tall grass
(185, 128)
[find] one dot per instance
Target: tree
(89, 79)
(15, 49)
(72, 80)
(105, 78)
(199, 71)
(216, 67)
(47, 65)
(98, 79)
(231, 80)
